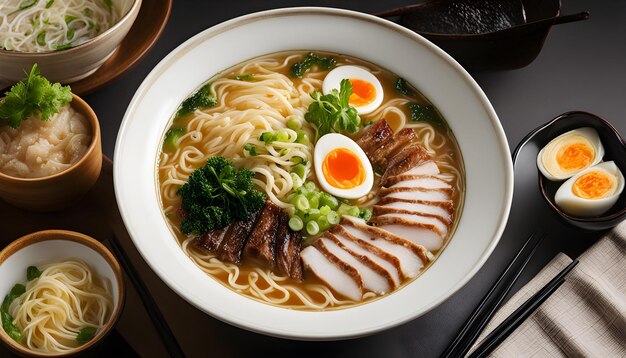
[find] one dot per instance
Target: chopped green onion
(365, 214)
(41, 38)
(323, 223)
(301, 203)
(250, 149)
(324, 210)
(302, 137)
(282, 136)
(329, 200)
(310, 186)
(354, 211)
(293, 123)
(299, 169)
(333, 217)
(296, 224)
(267, 137)
(312, 228)
(297, 180)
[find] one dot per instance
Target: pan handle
(571, 18)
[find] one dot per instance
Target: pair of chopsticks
(168, 338)
(494, 298)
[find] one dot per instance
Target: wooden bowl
(485, 34)
(54, 245)
(63, 189)
(615, 150)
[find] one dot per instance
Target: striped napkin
(585, 317)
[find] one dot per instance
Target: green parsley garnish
(7, 321)
(35, 96)
(246, 77)
(32, 272)
(332, 112)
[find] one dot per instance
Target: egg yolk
(343, 169)
(593, 185)
(575, 156)
(363, 92)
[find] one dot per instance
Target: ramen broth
(246, 278)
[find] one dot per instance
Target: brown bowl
(54, 245)
(485, 34)
(65, 188)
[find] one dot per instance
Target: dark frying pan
(485, 34)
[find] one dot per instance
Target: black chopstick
(518, 316)
(492, 300)
(171, 344)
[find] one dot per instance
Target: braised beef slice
(260, 246)
(281, 248)
(236, 238)
(295, 265)
(211, 240)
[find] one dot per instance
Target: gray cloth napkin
(585, 317)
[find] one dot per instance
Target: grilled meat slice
(260, 245)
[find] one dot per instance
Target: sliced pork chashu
(372, 280)
(412, 257)
(359, 247)
(337, 279)
(422, 194)
(375, 136)
(400, 140)
(444, 209)
(417, 181)
(426, 235)
(407, 158)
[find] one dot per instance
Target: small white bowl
(75, 63)
(48, 246)
(486, 155)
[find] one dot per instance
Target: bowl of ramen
(315, 186)
(50, 150)
(68, 39)
(62, 293)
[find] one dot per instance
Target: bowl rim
(499, 139)
(541, 179)
(75, 238)
(92, 118)
(99, 37)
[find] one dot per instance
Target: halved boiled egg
(341, 167)
(367, 92)
(570, 153)
(591, 192)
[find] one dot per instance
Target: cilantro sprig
(35, 96)
(332, 111)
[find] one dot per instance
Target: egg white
(328, 143)
(546, 160)
(334, 77)
(567, 201)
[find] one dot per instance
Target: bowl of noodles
(69, 39)
(320, 182)
(62, 293)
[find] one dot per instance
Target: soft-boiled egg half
(341, 167)
(367, 92)
(570, 153)
(591, 192)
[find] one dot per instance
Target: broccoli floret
(216, 194)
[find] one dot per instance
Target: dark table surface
(581, 67)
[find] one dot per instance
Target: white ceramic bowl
(433, 72)
(75, 63)
(48, 246)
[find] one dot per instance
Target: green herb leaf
(250, 149)
(49, 4)
(298, 69)
(69, 18)
(203, 98)
(426, 113)
(61, 47)
(41, 38)
(70, 34)
(332, 112)
(86, 334)
(109, 4)
(216, 194)
(35, 96)
(247, 77)
(405, 88)
(171, 138)
(32, 272)
(9, 327)
(15, 292)
(25, 4)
